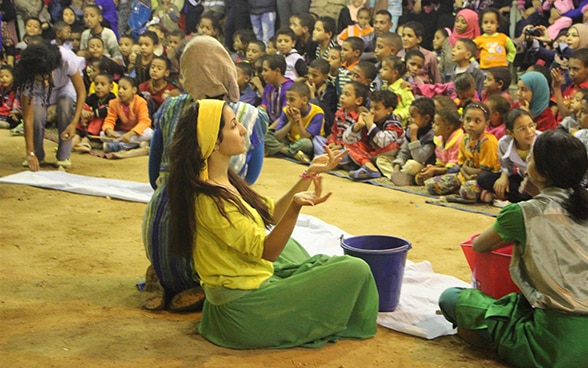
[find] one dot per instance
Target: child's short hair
(412, 53)
(364, 10)
(157, 26)
(33, 19)
(7, 67)
(129, 36)
(97, 38)
(464, 82)
(329, 24)
(450, 116)
(301, 89)
(177, 33)
(395, 63)
(321, 65)
(500, 104)
(356, 43)
(286, 32)
(445, 102)
(361, 90)
(95, 7)
(214, 20)
(276, 62)
(388, 98)
(425, 106)
(33, 40)
(443, 32)
(470, 46)
(105, 75)
(152, 35)
(582, 55)
(272, 40)
(306, 20)
(246, 68)
(417, 27)
(478, 105)
(392, 39)
(131, 80)
(257, 42)
(167, 61)
(60, 25)
(491, 11)
(77, 28)
(501, 74)
(246, 35)
(513, 116)
(369, 69)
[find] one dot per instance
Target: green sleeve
(511, 50)
(510, 224)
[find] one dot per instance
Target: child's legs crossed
(470, 190)
(487, 179)
(359, 153)
(443, 184)
(303, 144)
(272, 144)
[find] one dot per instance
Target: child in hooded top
(465, 26)
(418, 149)
(513, 150)
(448, 131)
(376, 132)
(497, 81)
(478, 152)
(499, 107)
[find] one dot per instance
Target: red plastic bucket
(386, 256)
(490, 271)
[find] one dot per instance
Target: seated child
(351, 51)
(127, 120)
(244, 75)
(361, 29)
(570, 124)
(161, 47)
(496, 49)
(335, 63)
(76, 38)
(322, 92)
(148, 41)
(418, 149)
(499, 107)
(157, 88)
(442, 50)
(513, 150)
(255, 50)
(126, 44)
(478, 152)
(377, 132)
(324, 29)
(62, 34)
(296, 68)
(387, 44)
(448, 136)
(393, 68)
(465, 88)
(412, 36)
(241, 40)
(582, 133)
(10, 113)
(273, 99)
(32, 27)
(271, 48)
(364, 72)
(96, 61)
(497, 81)
(93, 18)
(94, 113)
(210, 25)
(303, 26)
(353, 97)
(298, 124)
(257, 82)
(461, 55)
(168, 14)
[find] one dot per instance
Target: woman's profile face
(233, 135)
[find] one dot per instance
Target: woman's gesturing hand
(327, 161)
(312, 198)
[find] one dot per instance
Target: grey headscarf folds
(207, 70)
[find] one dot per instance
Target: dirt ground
(69, 264)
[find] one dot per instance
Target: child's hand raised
(557, 78)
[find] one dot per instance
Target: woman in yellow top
(262, 289)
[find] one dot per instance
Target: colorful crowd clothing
(273, 99)
(325, 53)
(343, 120)
(430, 72)
(405, 99)
(99, 108)
(246, 295)
(421, 150)
(344, 76)
(248, 95)
(446, 153)
(122, 117)
(111, 49)
(366, 34)
(295, 65)
(156, 96)
(497, 131)
(473, 69)
(495, 50)
(544, 325)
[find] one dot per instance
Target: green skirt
(309, 301)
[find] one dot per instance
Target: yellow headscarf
(210, 113)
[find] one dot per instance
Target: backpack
(140, 15)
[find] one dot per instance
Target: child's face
(380, 111)
(382, 24)
(461, 25)
(102, 86)
(238, 44)
(95, 48)
(410, 39)
(466, 94)
(316, 77)
(474, 122)
(271, 48)
(440, 126)
(319, 34)
(285, 44)
(64, 34)
(76, 40)
(206, 27)
(459, 53)
(383, 50)
(583, 116)
(524, 132)
(578, 71)
(242, 79)
(438, 40)
(388, 73)
(573, 39)
(358, 75)
(489, 23)
(334, 59)
(491, 85)
(125, 46)
(33, 27)
(348, 55)
(296, 27)
(269, 75)
(253, 53)
(576, 102)
(6, 78)
(158, 70)
(415, 117)
(91, 17)
(126, 91)
(414, 65)
(68, 16)
(495, 118)
(293, 99)
(523, 92)
(174, 41)
(363, 19)
(348, 100)
(146, 45)
(135, 50)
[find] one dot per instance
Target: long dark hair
(184, 184)
(36, 59)
(562, 158)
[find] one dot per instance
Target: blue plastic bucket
(386, 256)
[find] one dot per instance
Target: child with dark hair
(209, 25)
(351, 51)
(322, 92)
(442, 49)
(93, 19)
(496, 49)
(303, 26)
(296, 68)
(414, 61)
(377, 132)
(578, 69)
(255, 50)
(570, 124)
(412, 36)
(244, 75)
(324, 30)
(158, 88)
(499, 107)
(148, 41)
(32, 27)
(465, 88)
(76, 38)
(168, 14)
(10, 113)
(273, 99)
(544, 324)
(393, 68)
(461, 55)
(62, 34)
(361, 29)
(497, 81)
(271, 48)
(364, 72)
(241, 39)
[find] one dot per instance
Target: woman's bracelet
(308, 175)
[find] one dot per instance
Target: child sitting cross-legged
(448, 136)
(376, 132)
(157, 87)
(299, 123)
(127, 122)
(10, 113)
(478, 152)
(322, 92)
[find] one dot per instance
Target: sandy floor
(69, 264)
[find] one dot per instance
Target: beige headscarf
(207, 70)
(209, 117)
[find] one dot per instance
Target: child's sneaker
(363, 173)
(500, 203)
(63, 163)
(302, 157)
(111, 147)
(17, 130)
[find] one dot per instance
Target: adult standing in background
(287, 8)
